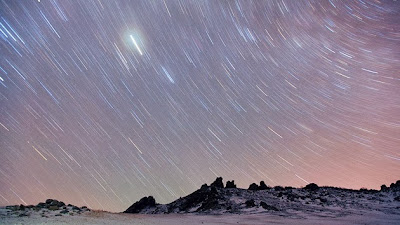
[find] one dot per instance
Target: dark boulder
(279, 188)
(41, 205)
(253, 187)
(218, 183)
(263, 186)
(48, 201)
(54, 203)
(204, 186)
(250, 203)
(268, 207)
(230, 184)
(137, 207)
(311, 187)
(60, 204)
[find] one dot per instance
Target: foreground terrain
(220, 204)
(101, 217)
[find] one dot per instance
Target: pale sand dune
(100, 217)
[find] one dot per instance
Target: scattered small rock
(22, 215)
(41, 205)
(64, 211)
(53, 207)
(268, 207)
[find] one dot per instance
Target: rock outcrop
(311, 187)
(230, 184)
(215, 199)
(58, 208)
(144, 203)
(253, 187)
(218, 183)
(263, 186)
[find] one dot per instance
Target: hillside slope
(330, 201)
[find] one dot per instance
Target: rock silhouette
(263, 186)
(215, 199)
(311, 187)
(253, 187)
(230, 184)
(218, 183)
(144, 203)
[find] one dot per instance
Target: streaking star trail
(136, 45)
(104, 102)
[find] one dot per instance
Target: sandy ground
(100, 217)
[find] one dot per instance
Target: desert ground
(101, 217)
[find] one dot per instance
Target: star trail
(104, 102)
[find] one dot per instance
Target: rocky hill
(50, 207)
(286, 201)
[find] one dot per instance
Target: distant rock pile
(255, 187)
(50, 206)
(392, 187)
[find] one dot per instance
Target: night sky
(104, 102)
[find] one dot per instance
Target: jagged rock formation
(218, 183)
(230, 184)
(263, 186)
(215, 199)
